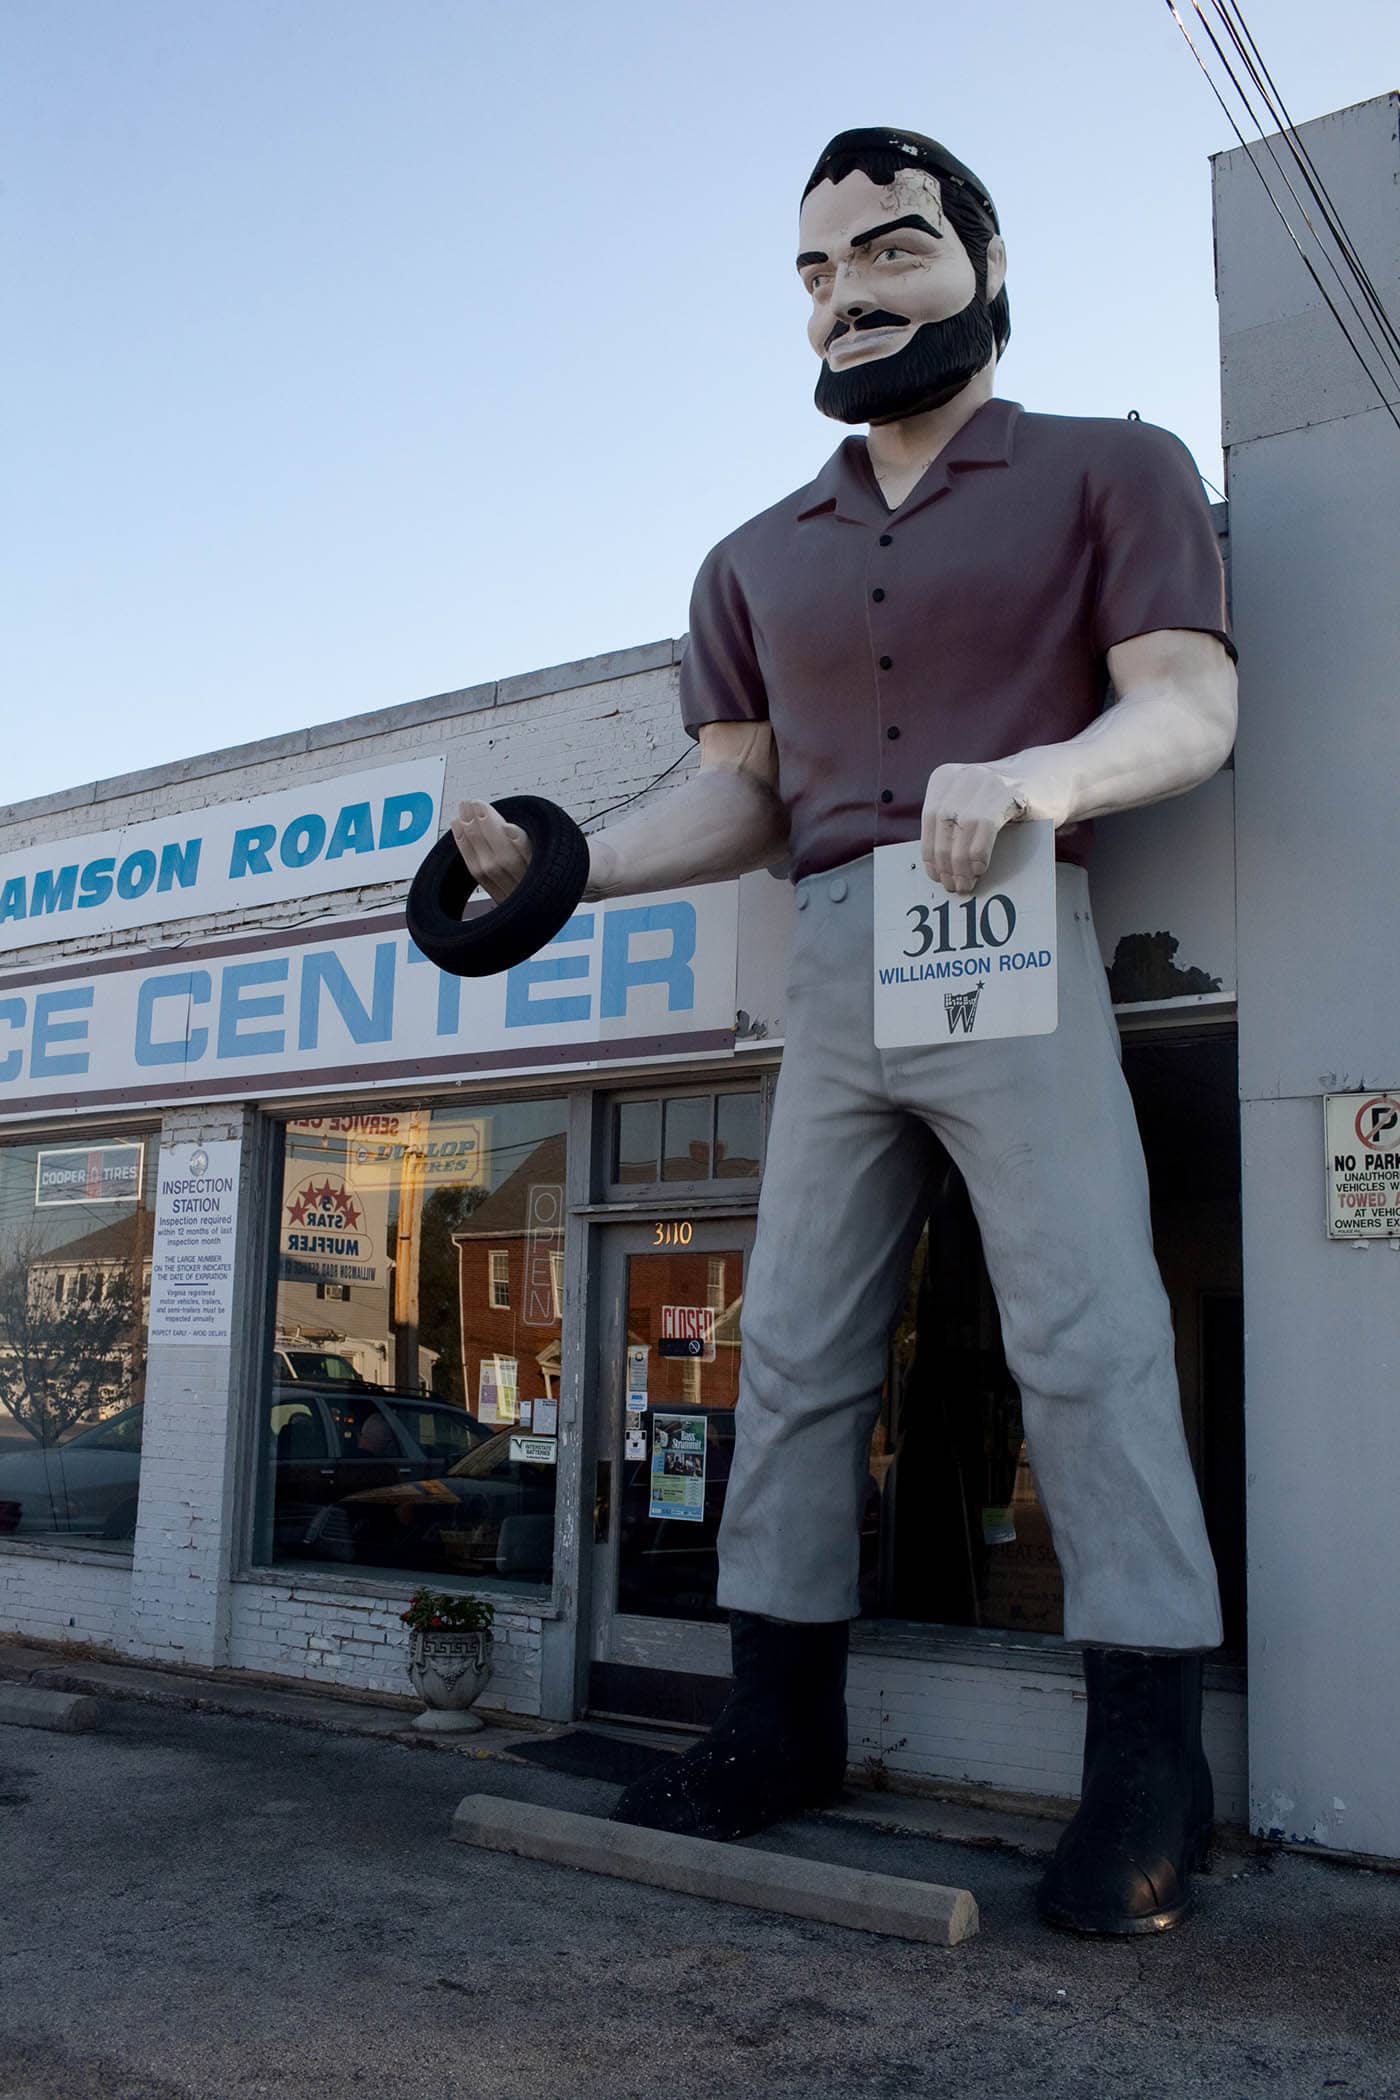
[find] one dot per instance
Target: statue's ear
(996, 266)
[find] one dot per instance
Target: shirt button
(886, 539)
(802, 900)
(892, 733)
(886, 794)
(878, 596)
(886, 663)
(838, 890)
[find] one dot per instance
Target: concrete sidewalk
(197, 1903)
(1025, 1824)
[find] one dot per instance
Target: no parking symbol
(1377, 1123)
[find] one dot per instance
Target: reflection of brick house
(510, 1277)
(677, 1277)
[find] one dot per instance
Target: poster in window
(678, 1467)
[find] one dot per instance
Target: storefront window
(962, 1537)
(413, 1408)
(75, 1280)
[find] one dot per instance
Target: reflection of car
(329, 1441)
(322, 1443)
(488, 1513)
(86, 1486)
(323, 1366)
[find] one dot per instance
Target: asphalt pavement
(201, 1904)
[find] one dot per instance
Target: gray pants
(1043, 1131)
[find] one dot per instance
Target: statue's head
(901, 252)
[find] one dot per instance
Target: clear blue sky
(357, 351)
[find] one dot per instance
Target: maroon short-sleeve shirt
(968, 624)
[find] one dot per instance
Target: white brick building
(467, 1217)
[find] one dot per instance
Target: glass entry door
(673, 1290)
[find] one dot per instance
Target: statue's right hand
(496, 853)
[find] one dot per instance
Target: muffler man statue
(918, 646)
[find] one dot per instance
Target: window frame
(142, 1127)
(726, 1190)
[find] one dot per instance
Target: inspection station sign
(321, 1007)
(949, 968)
(196, 1229)
(335, 834)
(1362, 1133)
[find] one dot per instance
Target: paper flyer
(500, 1391)
(678, 1467)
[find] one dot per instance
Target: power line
(1303, 256)
(628, 799)
(1283, 120)
(1384, 348)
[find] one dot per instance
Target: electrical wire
(628, 799)
(1241, 36)
(1306, 260)
(1384, 349)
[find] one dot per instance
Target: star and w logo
(961, 1009)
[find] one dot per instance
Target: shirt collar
(846, 486)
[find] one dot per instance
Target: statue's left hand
(964, 810)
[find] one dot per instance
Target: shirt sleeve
(720, 677)
(1158, 559)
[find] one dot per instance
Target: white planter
(449, 1671)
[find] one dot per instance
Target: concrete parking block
(23, 1706)
(800, 1888)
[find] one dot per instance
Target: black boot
(778, 1748)
(1145, 1809)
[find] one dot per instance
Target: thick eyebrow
(877, 233)
(811, 255)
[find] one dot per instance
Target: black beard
(935, 365)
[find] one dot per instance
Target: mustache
(878, 319)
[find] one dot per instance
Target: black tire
(529, 917)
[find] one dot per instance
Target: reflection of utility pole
(407, 1236)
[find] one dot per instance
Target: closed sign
(688, 1330)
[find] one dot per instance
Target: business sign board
(441, 1150)
(1362, 1133)
(329, 1006)
(88, 1174)
(336, 834)
(334, 1231)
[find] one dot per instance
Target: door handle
(602, 1502)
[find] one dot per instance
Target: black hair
(882, 153)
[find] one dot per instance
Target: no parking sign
(1363, 1166)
